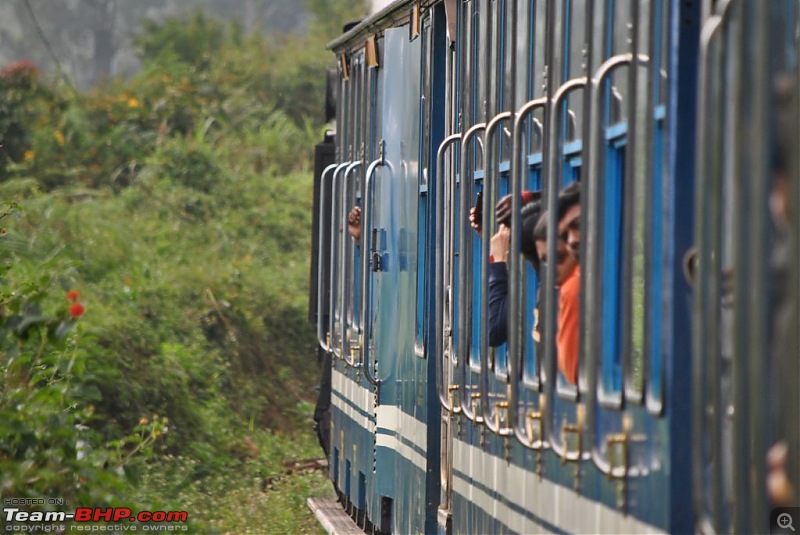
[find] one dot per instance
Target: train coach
(678, 123)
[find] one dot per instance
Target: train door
(444, 277)
(745, 302)
(432, 127)
(390, 226)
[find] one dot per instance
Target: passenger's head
(565, 260)
(529, 217)
(569, 217)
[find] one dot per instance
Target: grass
(254, 496)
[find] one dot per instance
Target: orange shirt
(567, 337)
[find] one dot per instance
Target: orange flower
(76, 310)
(73, 295)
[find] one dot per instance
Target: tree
(92, 39)
(330, 16)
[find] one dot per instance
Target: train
(678, 121)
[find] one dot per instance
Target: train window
(635, 297)
(351, 177)
(656, 363)
(660, 41)
(538, 63)
(520, 52)
(364, 109)
(530, 285)
(464, 60)
(422, 208)
(575, 40)
(376, 104)
(612, 283)
(622, 26)
(477, 272)
(422, 225)
(619, 42)
(338, 210)
(495, 59)
(478, 61)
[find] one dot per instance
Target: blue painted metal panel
(612, 259)
(678, 229)
(428, 409)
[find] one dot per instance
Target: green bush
(179, 204)
(49, 443)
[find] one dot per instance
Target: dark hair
(540, 230)
(529, 217)
(569, 196)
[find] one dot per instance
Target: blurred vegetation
(154, 348)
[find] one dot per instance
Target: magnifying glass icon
(785, 521)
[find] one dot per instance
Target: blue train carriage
(433, 430)
(384, 438)
(550, 93)
(744, 270)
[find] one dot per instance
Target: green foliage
(20, 96)
(180, 205)
(49, 443)
(249, 493)
(331, 16)
(193, 41)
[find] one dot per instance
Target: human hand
(500, 244)
(502, 211)
(779, 488)
(474, 220)
(354, 223)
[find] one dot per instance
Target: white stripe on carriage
(554, 504)
(391, 442)
(393, 419)
(389, 417)
(358, 395)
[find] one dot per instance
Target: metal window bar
(706, 391)
(465, 275)
(552, 185)
(323, 342)
(491, 176)
(366, 271)
(346, 272)
(336, 239)
(750, 474)
(441, 280)
(592, 239)
(515, 261)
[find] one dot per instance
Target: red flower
(76, 310)
(73, 295)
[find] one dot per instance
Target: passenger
(354, 223)
(498, 254)
(783, 469)
(498, 270)
(568, 281)
(569, 222)
(502, 210)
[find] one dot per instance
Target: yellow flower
(59, 137)
(133, 103)
(29, 155)
(143, 420)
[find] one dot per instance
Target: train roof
(395, 14)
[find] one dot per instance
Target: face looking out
(565, 260)
(569, 228)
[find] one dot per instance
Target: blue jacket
(498, 304)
